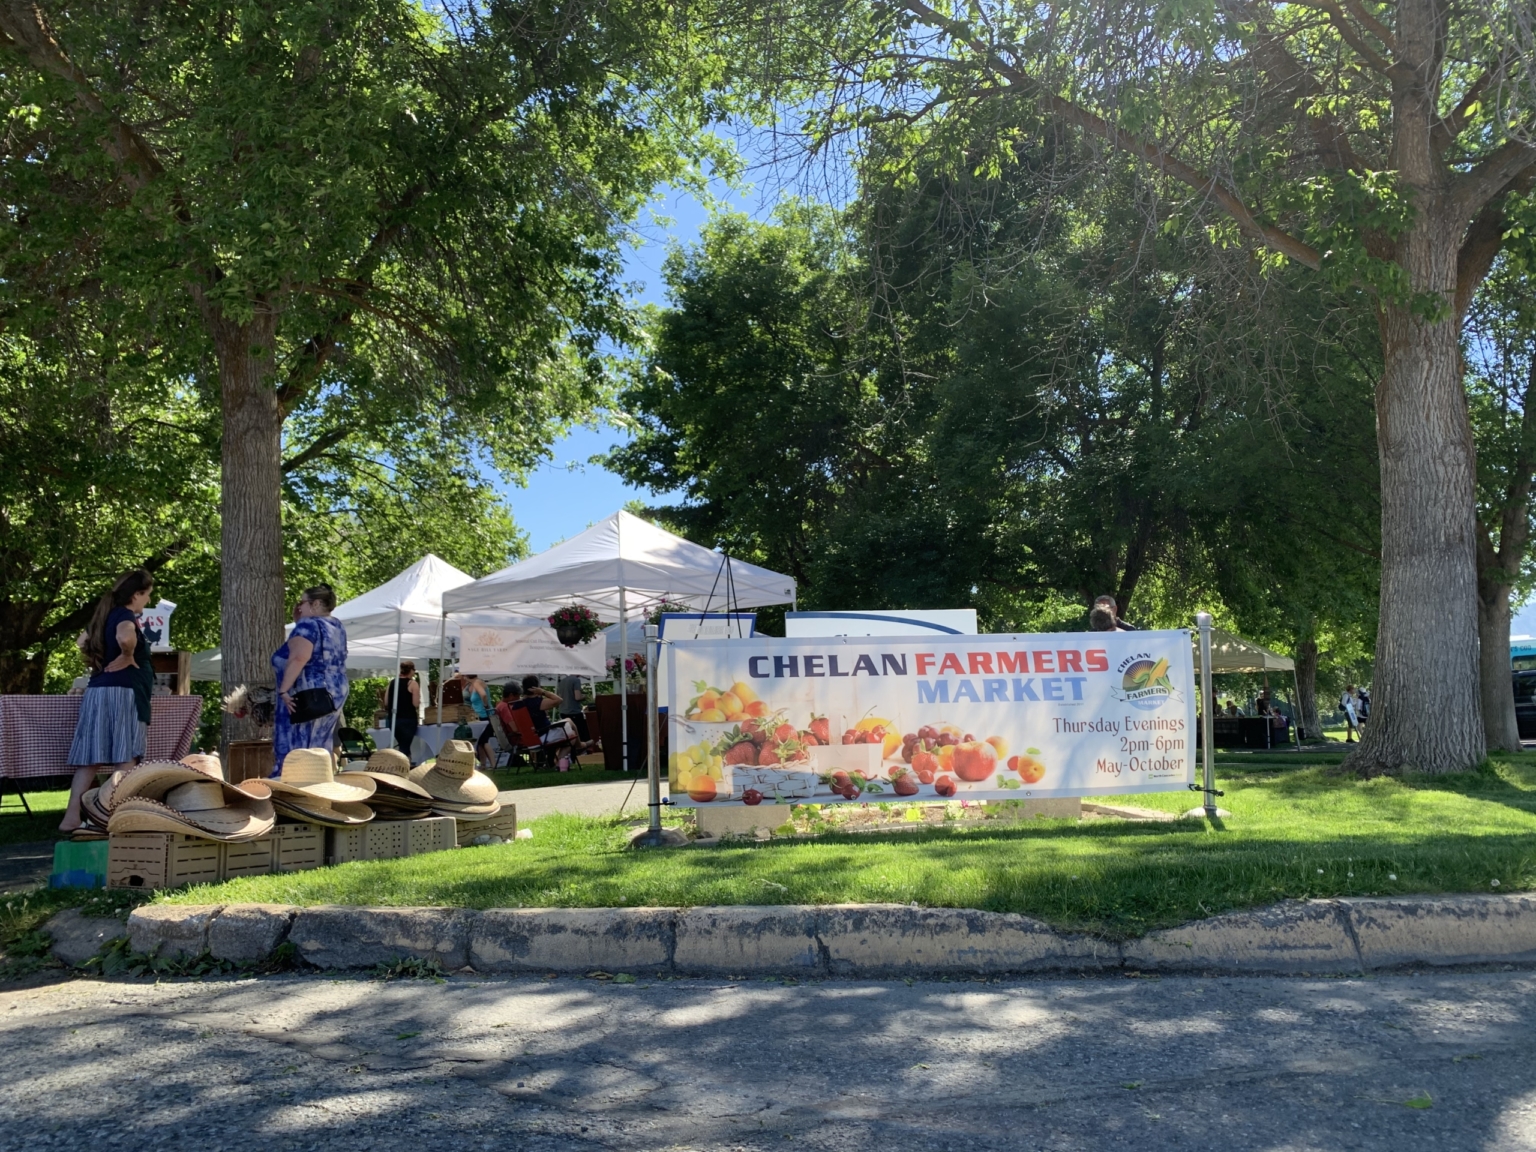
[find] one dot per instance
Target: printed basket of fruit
(701, 773)
(772, 759)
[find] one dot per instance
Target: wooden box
(297, 847)
(248, 760)
(503, 824)
(162, 860)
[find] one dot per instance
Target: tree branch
(25, 30)
(81, 616)
(1145, 150)
(1445, 130)
(317, 447)
(1392, 70)
(1474, 189)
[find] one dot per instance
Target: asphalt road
(468, 1064)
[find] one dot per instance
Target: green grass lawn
(1295, 831)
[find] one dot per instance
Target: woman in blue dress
(114, 712)
(313, 656)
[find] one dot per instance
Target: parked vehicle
(1525, 703)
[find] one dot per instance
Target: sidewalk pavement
(602, 799)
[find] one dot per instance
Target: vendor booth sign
(1008, 717)
(520, 650)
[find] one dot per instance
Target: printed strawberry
(904, 781)
(769, 756)
(742, 753)
(821, 728)
(785, 732)
(809, 739)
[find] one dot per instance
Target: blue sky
(568, 494)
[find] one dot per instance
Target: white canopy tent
(1231, 653)
(623, 565)
(401, 619)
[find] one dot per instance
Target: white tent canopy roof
(403, 616)
(1231, 653)
(623, 552)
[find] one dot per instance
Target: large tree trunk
(1306, 689)
(251, 584)
(1426, 710)
(1499, 728)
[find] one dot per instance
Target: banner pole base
(1207, 814)
(659, 838)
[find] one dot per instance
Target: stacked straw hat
(457, 788)
(396, 796)
(308, 788)
(193, 799)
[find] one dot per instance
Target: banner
(1005, 717)
(524, 650)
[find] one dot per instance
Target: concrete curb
(1311, 937)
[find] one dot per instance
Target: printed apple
(1000, 745)
(1030, 770)
(975, 760)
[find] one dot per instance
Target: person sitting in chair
(539, 703)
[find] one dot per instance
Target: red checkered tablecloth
(36, 731)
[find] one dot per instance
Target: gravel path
(1084, 1064)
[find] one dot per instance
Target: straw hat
(91, 807)
(200, 807)
(390, 770)
(154, 779)
(310, 772)
(204, 762)
(453, 777)
(310, 810)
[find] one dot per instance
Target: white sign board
(885, 622)
(156, 623)
(523, 650)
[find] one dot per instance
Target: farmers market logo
(1144, 682)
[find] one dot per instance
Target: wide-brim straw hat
(311, 772)
(332, 814)
(390, 770)
(92, 810)
(454, 778)
(467, 811)
(199, 807)
(154, 780)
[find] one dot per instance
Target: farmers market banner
(860, 718)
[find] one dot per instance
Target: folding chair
(506, 744)
(353, 743)
(531, 745)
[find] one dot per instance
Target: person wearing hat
(310, 666)
(114, 711)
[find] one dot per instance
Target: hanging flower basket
(575, 625)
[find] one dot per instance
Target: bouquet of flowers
(575, 624)
(632, 672)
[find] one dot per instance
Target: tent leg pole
(442, 650)
(623, 681)
(1296, 708)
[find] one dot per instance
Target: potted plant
(575, 624)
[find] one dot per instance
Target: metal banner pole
(1207, 721)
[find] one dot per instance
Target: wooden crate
(247, 760)
(162, 860)
(503, 824)
(297, 847)
(251, 858)
(431, 835)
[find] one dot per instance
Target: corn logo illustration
(1146, 683)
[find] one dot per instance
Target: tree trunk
(1306, 689)
(251, 580)
(22, 674)
(1426, 712)
(1498, 694)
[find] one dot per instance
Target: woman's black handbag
(311, 704)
